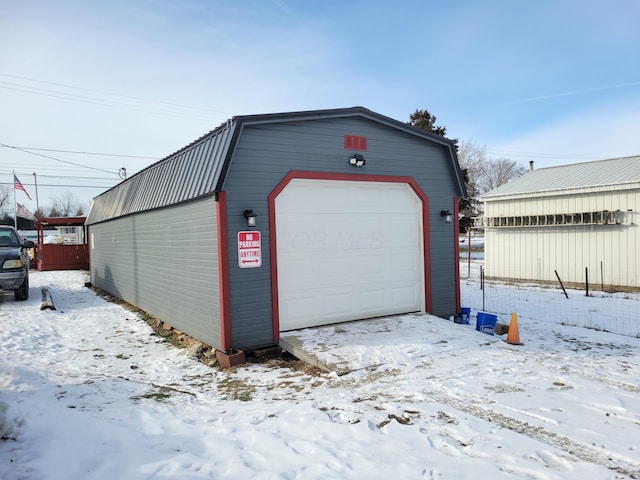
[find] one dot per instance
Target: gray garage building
(283, 221)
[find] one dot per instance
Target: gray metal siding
(165, 262)
(266, 153)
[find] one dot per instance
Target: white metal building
(579, 220)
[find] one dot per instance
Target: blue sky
(554, 81)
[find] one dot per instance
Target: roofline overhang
(241, 121)
(235, 126)
(564, 191)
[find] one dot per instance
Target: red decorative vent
(355, 142)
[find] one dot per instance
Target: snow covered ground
(90, 392)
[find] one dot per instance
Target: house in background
(579, 220)
(277, 222)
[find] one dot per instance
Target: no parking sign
(249, 250)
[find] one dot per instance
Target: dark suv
(14, 262)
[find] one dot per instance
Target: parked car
(14, 262)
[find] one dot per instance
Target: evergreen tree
(424, 120)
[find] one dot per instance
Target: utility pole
(15, 203)
(35, 179)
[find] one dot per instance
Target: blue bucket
(486, 323)
(465, 315)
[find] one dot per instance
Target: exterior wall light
(446, 214)
(251, 218)
(357, 160)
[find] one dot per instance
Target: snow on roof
(599, 173)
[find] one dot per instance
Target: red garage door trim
(352, 178)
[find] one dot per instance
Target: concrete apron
(366, 344)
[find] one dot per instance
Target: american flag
(18, 186)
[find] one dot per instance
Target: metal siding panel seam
(208, 164)
(189, 174)
(173, 174)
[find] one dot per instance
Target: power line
(25, 176)
(57, 169)
(62, 186)
(86, 153)
(56, 159)
(104, 103)
(73, 177)
(113, 94)
(59, 177)
(569, 156)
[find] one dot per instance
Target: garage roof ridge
(340, 112)
(139, 193)
(358, 111)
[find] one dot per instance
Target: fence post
(586, 279)
(469, 258)
(565, 292)
(482, 284)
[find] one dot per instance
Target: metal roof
(185, 175)
(199, 169)
(578, 176)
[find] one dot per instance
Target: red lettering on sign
(249, 250)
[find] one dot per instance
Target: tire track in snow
(611, 383)
(573, 370)
(614, 462)
(602, 379)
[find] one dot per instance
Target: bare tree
(473, 161)
(498, 172)
(39, 213)
(54, 212)
(481, 173)
(65, 205)
(5, 193)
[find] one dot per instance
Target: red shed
(68, 250)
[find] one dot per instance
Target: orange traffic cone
(513, 336)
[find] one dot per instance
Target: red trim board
(456, 243)
(223, 272)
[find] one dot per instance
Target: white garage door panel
(346, 251)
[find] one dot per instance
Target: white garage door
(347, 250)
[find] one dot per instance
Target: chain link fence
(612, 312)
